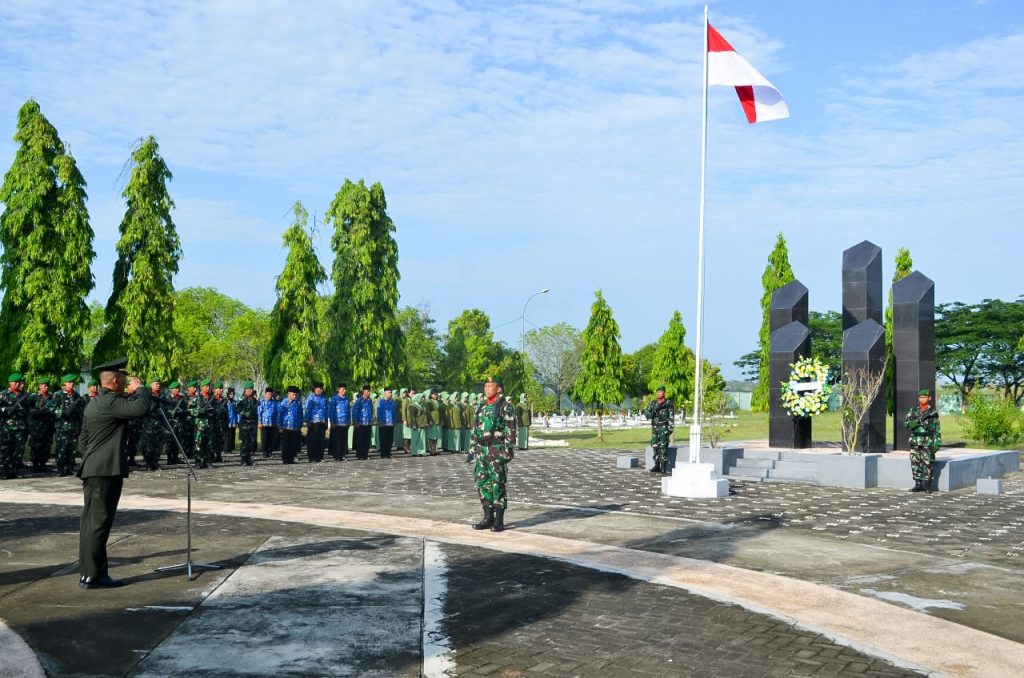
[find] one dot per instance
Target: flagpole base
(698, 481)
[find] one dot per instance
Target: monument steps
(795, 471)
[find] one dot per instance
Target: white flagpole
(695, 436)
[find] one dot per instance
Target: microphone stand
(188, 565)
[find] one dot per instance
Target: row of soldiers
(204, 420)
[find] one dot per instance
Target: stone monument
(790, 341)
(913, 341)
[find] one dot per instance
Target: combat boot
(488, 520)
(499, 520)
(918, 487)
(656, 469)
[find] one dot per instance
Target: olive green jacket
(105, 432)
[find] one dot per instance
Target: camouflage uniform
(201, 410)
(41, 424)
(181, 423)
(493, 442)
(219, 427)
(925, 440)
(67, 407)
(246, 408)
(661, 415)
(12, 432)
(153, 434)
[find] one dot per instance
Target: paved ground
(953, 556)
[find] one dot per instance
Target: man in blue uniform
(386, 413)
(267, 422)
(290, 417)
(339, 412)
(362, 419)
(315, 412)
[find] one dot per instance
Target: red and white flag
(760, 99)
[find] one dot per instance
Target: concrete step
(747, 473)
(761, 454)
(755, 463)
(794, 470)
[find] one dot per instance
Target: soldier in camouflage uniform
(219, 428)
(67, 407)
(13, 426)
(661, 414)
(925, 440)
(176, 409)
(41, 424)
(246, 411)
(152, 432)
(493, 444)
(201, 410)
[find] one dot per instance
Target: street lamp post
(522, 335)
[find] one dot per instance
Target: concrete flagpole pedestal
(695, 480)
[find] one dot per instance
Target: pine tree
(777, 273)
(600, 379)
(293, 356)
(904, 267)
(140, 310)
(47, 251)
(673, 364)
(366, 343)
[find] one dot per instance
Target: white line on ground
(438, 656)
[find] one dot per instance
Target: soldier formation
(205, 419)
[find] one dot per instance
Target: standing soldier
(40, 425)
(456, 418)
(94, 389)
(421, 421)
(67, 407)
(493, 445)
(152, 436)
(400, 418)
(339, 412)
(407, 422)
(246, 411)
(925, 440)
(362, 421)
(315, 413)
(218, 431)
(12, 434)
(201, 409)
(524, 418)
(661, 414)
(177, 415)
(267, 422)
(386, 414)
(290, 417)
(229, 433)
(434, 427)
(468, 411)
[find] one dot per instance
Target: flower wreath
(807, 391)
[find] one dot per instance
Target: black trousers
(291, 440)
(386, 440)
(315, 431)
(339, 442)
(229, 439)
(361, 440)
(268, 440)
(101, 497)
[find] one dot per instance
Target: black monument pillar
(789, 304)
(913, 342)
(862, 284)
(864, 349)
(788, 344)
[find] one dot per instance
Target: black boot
(499, 520)
(488, 520)
(656, 469)
(927, 487)
(918, 487)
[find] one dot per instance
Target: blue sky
(549, 144)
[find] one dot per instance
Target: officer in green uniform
(105, 465)
(430, 403)
(246, 409)
(201, 410)
(13, 426)
(152, 432)
(420, 421)
(456, 419)
(524, 419)
(67, 407)
(407, 422)
(662, 414)
(40, 425)
(493, 445)
(219, 426)
(177, 416)
(925, 440)
(468, 410)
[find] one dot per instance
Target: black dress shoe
(102, 582)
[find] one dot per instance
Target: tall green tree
(777, 273)
(366, 342)
(827, 339)
(422, 347)
(293, 355)
(904, 267)
(452, 368)
(674, 364)
(471, 353)
(140, 310)
(600, 379)
(202, 318)
(47, 252)
(554, 352)
(636, 371)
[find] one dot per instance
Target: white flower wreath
(807, 391)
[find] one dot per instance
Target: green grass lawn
(747, 426)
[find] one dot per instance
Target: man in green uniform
(152, 432)
(105, 466)
(67, 407)
(493, 445)
(468, 410)
(13, 426)
(407, 422)
(94, 389)
(40, 425)
(247, 422)
(420, 421)
(456, 418)
(219, 426)
(177, 416)
(433, 409)
(662, 416)
(925, 440)
(201, 410)
(524, 419)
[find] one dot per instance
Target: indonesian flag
(760, 99)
